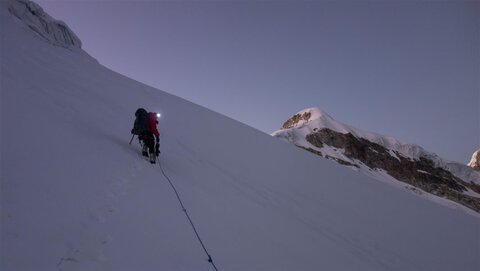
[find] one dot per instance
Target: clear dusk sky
(408, 69)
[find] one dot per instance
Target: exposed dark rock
(295, 119)
(315, 140)
(421, 173)
(340, 161)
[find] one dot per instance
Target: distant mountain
(475, 161)
(383, 157)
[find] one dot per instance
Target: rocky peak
(310, 116)
(475, 161)
(294, 121)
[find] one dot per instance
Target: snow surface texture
(475, 161)
(54, 31)
(76, 196)
(319, 119)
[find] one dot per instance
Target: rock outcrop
(475, 161)
(293, 121)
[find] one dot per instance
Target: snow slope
(74, 195)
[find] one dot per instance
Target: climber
(145, 127)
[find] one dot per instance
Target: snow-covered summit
(381, 156)
(50, 29)
(475, 161)
(308, 115)
(312, 119)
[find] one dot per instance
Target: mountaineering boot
(152, 158)
(144, 150)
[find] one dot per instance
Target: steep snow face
(475, 161)
(54, 31)
(317, 132)
(74, 195)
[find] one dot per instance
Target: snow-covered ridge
(52, 30)
(319, 119)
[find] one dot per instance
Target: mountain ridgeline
(317, 132)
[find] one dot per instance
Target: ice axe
(131, 140)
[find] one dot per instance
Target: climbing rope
(210, 260)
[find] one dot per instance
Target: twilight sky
(408, 69)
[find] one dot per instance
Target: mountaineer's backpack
(141, 122)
